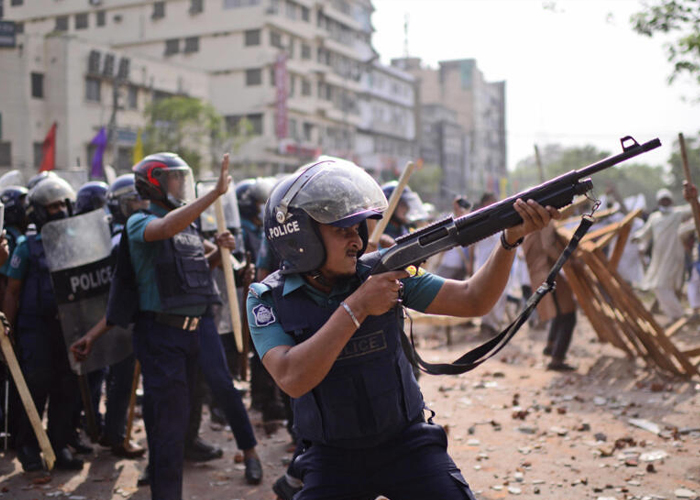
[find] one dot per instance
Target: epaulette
(258, 289)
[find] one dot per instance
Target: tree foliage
(681, 19)
(627, 178)
(186, 126)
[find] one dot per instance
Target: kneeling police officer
(328, 333)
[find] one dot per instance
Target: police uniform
(41, 345)
(363, 425)
(175, 289)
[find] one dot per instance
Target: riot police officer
(91, 196)
(408, 211)
(31, 308)
(265, 396)
(174, 284)
(329, 335)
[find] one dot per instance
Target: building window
(5, 154)
(305, 87)
(125, 155)
(293, 130)
(19, 27)
(305, 14)
(38, 85)
(196, 6)
(275, 39)
(305, 51)
(133, 97)
(256, 122)
(38, 148)
(93, 87)
(172, 46)
(253, 77)
(233, 4)
(61, 23)
(158, 10)
(192, 44)
(81, 21)
(291, 10)
(252, 37)
(101, 18)
(308, 131)
(16, 3)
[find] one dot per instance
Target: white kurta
(666, 267)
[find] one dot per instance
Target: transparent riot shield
(76, 177)
(12, 178)
(231, 214)
(78, 253)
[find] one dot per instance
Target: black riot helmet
(165, 178)
(91, 196)
(414, 205)
(122, 198)
(252, 195)
(51, 190)
(15, 200)
(330, 191)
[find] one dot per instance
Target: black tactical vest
(370, 395)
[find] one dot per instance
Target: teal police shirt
(266, 331)
(143, 259)
(18, 263)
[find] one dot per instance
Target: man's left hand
(535, 217)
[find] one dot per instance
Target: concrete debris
(646, 425)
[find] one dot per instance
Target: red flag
(48, 149)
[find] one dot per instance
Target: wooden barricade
(613, 308)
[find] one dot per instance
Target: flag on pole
(100, 143)
(138, 149)
(48, 150)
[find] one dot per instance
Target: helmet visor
(416, 211)
(179, 185)
(341, 193)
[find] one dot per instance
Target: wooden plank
(26, 397)
(691, 353)
(677, 326)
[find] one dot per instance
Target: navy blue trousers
(212, 359)
(44, 362)
(168, 358)
(413, 466)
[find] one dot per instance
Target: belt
(187, 323)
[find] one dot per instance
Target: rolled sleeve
(419, 291)
(265, 328)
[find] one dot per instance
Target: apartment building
(81, 86)
(387, 132)
(480, 111)
(294, 69)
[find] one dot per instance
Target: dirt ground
(613, 429)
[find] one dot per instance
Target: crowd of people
(328, 358)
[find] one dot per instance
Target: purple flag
(100, 141)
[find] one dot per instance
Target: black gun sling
(488, 349)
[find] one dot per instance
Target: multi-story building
(443, 143)
(81, 86)
(387, 134)
(480, 106)
(292, 68)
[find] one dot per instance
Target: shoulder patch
(15, 261)
(264, 315)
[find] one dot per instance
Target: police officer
(265, 396)
(329, 335)
(408, 210)
(175, 289)
(31, 308)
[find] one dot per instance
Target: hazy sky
(575, 71)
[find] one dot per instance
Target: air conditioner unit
(124, 67)
(94, 62)
(108, 68)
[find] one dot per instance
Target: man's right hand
(378, 294)
(81, 348)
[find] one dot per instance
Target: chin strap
(487, 350)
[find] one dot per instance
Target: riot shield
(231, 214)
(12, 178)
(76, 177)
(78, 253)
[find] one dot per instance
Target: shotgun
(414, 248)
